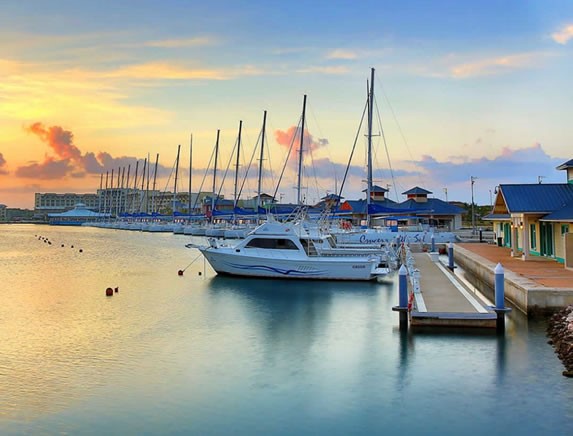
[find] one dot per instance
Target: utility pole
(446, 192)
(472, 180)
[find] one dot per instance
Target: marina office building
(536, 219)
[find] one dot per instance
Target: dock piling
(499, 289)
(451, 256)
(402, 297)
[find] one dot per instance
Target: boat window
(272, 244)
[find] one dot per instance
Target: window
(272, 244)
(564, 228)
(533, 236)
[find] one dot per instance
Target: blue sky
(462, 89)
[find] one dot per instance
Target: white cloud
(342, 54)
(497, 65)
(564, 35)
(177, 43)
(325, 70)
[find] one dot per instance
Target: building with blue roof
(416, 210)
(536, 219)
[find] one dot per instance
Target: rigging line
(287, 157)
(313, 115)
(387, 152)
(399, 127)
(353, 149)
(246, 167)
(204, 177)
(271, 172)
(226, 171)
(249, 167)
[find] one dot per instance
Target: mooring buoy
(109, 292)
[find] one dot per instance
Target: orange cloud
(59, 140)
(292, 134)
(2, 164)
(285, 138)
(69, 160)
(49, 169)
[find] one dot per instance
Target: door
(506, 234)
(546, 239)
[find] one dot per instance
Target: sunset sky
(482, 89)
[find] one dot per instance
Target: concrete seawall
(525, 294)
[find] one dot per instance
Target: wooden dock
(441, 299)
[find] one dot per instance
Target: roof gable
(433, 206)
(540, 198)
(416, 190)
(564, 166)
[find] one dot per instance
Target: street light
(472, 180)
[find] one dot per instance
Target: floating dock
(442, 299)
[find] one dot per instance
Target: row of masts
(138, 199)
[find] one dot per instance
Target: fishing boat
(286, 250)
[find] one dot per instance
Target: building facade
(50, 202)
(536, 219)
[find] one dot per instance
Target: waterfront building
(76, 217)
(536, 219)
(416, 210)
(51, 202)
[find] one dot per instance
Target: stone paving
(544, 271)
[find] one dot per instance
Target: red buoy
(109, 292)
(180, 272)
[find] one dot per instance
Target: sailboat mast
(147, 185)
(298, 185)
(153, 196)
(237, 164)
(175, 184)
(261, 161)
(100, 192)
(190, 173)
(215, 174)
(370, 118)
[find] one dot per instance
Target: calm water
(202, 354)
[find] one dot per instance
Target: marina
(202, 353)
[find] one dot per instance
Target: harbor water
(204, 354)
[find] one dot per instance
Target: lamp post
(472, 180)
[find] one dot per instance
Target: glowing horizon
(97, 93)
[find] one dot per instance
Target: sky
(463, 91)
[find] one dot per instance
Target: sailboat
(289, 250)
(372, 234)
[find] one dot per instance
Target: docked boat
(285, 250)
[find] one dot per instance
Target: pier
(444, 300)
(432, 295)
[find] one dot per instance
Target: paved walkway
(546, 272)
